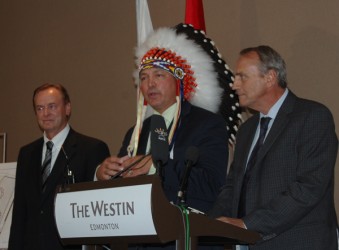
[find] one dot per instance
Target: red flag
(195, 14)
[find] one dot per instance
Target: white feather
(208, 93)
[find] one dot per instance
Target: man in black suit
(38, 174)
(179, 81)
(184, 98)
(283, 187)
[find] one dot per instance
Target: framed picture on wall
(3, 147)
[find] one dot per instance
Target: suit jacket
(33, 226)
(205, 130)
(290, 198)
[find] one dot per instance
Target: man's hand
(141, 168)
(110, 166)
(233, 221)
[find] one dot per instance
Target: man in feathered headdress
(183, 78)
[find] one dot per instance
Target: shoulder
(311, 114)
(310, 105)
(201, 123)
(85, 139)
(33, 145)
(28, 150)
(203, 115)
(307, 109)
(295, 104)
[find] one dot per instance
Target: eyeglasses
(50, 107)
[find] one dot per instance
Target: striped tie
(46, 166)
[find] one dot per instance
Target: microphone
(191, 158)
(159, 143)
(69, 176)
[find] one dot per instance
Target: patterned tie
(46, 166)
(251, 162)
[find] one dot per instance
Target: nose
(45, 111)
(236, 83)
(151, 82)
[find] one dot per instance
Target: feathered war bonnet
(204, 79)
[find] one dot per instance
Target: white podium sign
(116, 211)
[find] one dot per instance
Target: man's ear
(271, 77)
(68, 109)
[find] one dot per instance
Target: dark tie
(46, 165)
(251, 162)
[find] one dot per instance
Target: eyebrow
(157, 70)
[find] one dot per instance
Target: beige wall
(88, 46)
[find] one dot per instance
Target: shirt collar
(168, 114)
(59, 139)
(275, 108)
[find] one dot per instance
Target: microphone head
(192, 154)
(159, 139)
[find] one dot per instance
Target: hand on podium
(113, 167)
(110, 166)
(234, 221)
(140, 165)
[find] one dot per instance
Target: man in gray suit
(283, 185)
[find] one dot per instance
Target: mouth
(152, 95)
(47, 121)
(239, 94)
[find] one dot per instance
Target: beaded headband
(172, 63)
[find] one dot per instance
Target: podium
(132, 211)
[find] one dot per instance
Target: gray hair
(270, 59)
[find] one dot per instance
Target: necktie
(251, 162)
(46, 166)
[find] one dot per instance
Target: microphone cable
(186, 222)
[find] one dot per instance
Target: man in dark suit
(283, 187)
(176, 78)
(198, 127)
(38, 174)
(208, 174)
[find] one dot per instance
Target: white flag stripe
(144, 22)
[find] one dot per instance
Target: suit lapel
(59, 169)
(36, 165)
(281, 121)
(185, 110)
(243, 146)
(144, 135)
(253, 124)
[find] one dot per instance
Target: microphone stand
(159, 170)
(191, 157)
